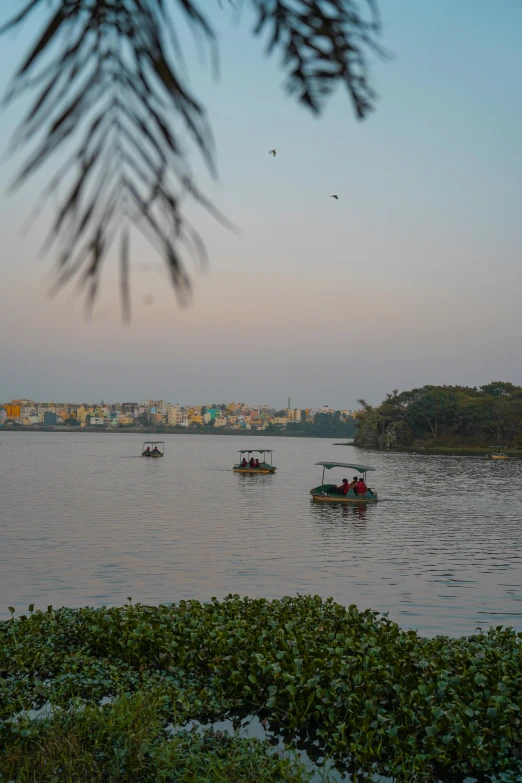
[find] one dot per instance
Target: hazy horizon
(411, 278)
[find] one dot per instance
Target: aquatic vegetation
(349, 684)
(127, 740)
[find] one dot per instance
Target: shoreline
(448, 451)
(167, 431)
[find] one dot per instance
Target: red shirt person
(343, 489)
(361, 488)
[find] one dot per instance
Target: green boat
(326, 493)
(264, 466)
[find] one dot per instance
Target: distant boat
(497, 453)
(153, 452)
(264, 467)
(347, 443)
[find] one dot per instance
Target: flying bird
(272, 152)
(335, 197)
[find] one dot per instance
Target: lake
(85, 520)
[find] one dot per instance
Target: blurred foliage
(109, 82)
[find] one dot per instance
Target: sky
(412, 277)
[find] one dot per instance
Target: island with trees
(445, 418)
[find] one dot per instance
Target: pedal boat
(264, 466)
(324, 492)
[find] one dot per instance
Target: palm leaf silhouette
(109, 74)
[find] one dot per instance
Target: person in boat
(256, 464)
(353, 483)
(361, 488)
(345, 486)
(342, 490)
(155, 450)
(147, 450)
(251, 462)
(244, 463)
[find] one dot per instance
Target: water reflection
(84, 522)
(336, 512)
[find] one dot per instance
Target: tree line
(446, 415)
(323, 425)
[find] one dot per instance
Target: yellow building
(174, 415)
(13, 411)
(196, 419)
(82, 413)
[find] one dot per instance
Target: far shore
(341, 440)
(169, 431)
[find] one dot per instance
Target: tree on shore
(444, 414)
(108, 75)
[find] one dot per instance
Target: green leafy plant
(127, 740)
(349, 685)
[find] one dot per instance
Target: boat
(324, 494)
(153, 449)
(496, 453)
(264, 466)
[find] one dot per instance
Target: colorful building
(13, 411)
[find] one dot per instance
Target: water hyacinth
(126, 741)
(349, 684)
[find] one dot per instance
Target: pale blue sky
(412, 277)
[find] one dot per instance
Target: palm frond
(102, 71)
(109, 74)
(322, 43)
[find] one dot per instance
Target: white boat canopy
(255, 451)
(360, 468)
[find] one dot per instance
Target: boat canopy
(154, 442)
(358, 467)
(255, 451)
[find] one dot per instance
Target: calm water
(83, 520)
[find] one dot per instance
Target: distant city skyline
(228, 416)
(412, 277)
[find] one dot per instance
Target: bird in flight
(335, 197)
(272, 152)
